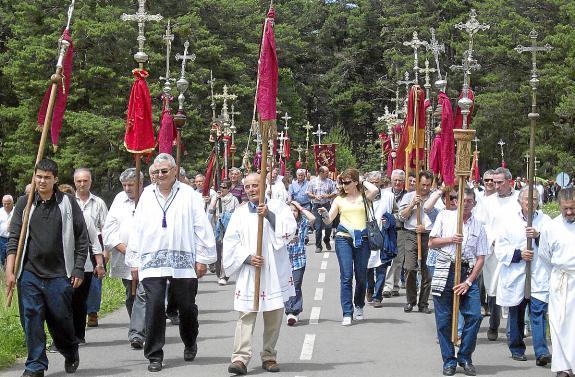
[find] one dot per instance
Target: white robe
(511, 283)
(117, 228)
(498, 210)
(174, 250)
(381, 206)
(557, 245)
(240, 241)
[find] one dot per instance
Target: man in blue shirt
(298, 189)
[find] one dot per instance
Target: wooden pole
(264, 132)
(416, 149)
(56, 80)
(463, 138)
(138, 157)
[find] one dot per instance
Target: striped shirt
(318, 187)
(296, 248)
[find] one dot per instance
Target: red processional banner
(325, 156)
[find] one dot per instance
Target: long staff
(416, 133)
(56, 80)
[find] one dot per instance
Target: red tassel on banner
(62, 96)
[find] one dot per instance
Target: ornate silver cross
(182, 83)
(168, 38)
(141, 17)
(435, 47)
(416, 43)
(319, 133)
(286, 118)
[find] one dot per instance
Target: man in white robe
(172, 239)
(116, 232)
(511, 252)
(499, 208)
(557, 245)
(276, 285)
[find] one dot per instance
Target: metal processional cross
(141, 17)
(319, 133)
(415, 43)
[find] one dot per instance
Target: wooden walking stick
(533, 115)
(56, 79)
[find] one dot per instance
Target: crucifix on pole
(212, 81)
(141, 17)
(168, 38)
(286, 118)
(501, 144)
(319, 133)
(533, 116)
(299, 149)
(308, 127)
(416, 43)
(436, 48)
(182, 84)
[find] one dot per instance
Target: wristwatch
(468, 283)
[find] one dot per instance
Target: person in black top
(51, 266)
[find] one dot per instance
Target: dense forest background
(339, 63)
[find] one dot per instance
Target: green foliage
(338, 67)
(552, 209)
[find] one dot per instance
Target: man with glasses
(321, 191)
(444, 238)
(394, 273)
(171, 240)
(500, 208)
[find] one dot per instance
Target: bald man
(5, 217)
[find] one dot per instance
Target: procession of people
(464, 246)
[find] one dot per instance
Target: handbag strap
(368, 218)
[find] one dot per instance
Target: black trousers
(184, 292)
(79, 308)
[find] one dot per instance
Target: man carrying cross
(276, 287)
(172, 240)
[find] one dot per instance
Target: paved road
(389, 343)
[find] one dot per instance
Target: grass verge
(12, 345)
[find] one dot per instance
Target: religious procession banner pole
(463, 137)
(56, 80)
(416, 89)
(533, 115)
(181, 118)
(266, 97)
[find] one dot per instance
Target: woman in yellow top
(351, 244)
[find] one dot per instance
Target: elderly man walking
(5, 217)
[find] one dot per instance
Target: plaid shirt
(296, 248)
(319, 186)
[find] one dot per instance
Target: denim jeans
(50, 300)
(94, 297)
(295, 303)
(516, 327)
(470, 308)
(185, 294)
(137, 311)
(320, 225)
(352, 261)
(376, 280)
(3, 242)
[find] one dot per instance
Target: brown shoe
(238, 368)
(271, 366)
(92, 320)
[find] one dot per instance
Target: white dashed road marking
(314, 315)
(307, 349)
(321, 277)
(323, 265)
(318, 294)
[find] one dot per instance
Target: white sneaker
(346, 321)
(222, 281)
(358, 313)
(291, 320)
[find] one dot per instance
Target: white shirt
(511, 283)
(474, 238)
(117, 230)
(170, 234)
(94, 242)
(96, 208)
(427, 219)
(5, 218)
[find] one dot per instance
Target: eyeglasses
(488, 180)
(345, 183)
(163, 171)
(224, 188)
(452, 197)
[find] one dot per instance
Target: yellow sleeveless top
(352, 214)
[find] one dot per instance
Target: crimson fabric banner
(325, 156)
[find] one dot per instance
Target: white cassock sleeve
(504, 246)
(285, 226)
(235, 251)
(136, 235)
(111, 230)
(205, 241)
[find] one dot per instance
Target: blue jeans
(295, 303)
(376, 280)
(470, 308)
(320, 225)
(94, 296)
(516, 327)
(47, 300)
(352, 260)
(3, 242)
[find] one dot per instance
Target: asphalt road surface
(388, 343)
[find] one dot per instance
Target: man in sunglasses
(499, 210)
(172, 240)
(321, 190)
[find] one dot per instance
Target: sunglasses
(345, 183)
(488, 180)
(163, 171)
(452, 197)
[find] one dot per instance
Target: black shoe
(174, 319)
(237, 368)
(27, 373)
(327, 244)
(492, 335)
(449, 371)
(395, 293)
(137, 344)
(191, 352)
(386, 294)
(468, 368)
(408, 308)
(212, 268)
(425, 310)
(71, 363)
(519, 357)
(155, 366)
(543, 360)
